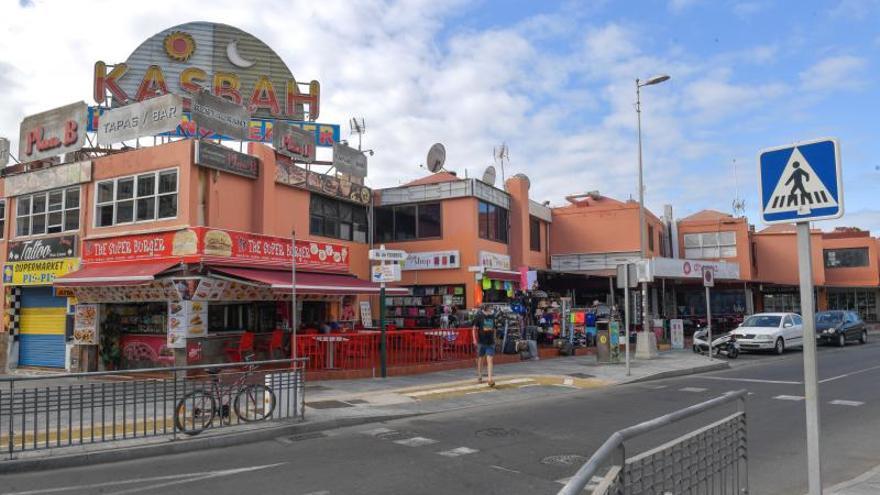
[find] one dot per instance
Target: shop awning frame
(307, 282)
(116, 274)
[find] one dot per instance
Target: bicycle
(196, 411)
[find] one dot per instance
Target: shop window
(47, 213)
(408, 222)
(650, 237)
(492, 222)
(337, 219)
(136, 198)
(534, 234)
(251, 317)
(708, 245)
(846, 258)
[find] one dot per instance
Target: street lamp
(643, 234)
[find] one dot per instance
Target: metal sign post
(811, 372)
(383, 342)
(626, 316)
(801, 183)
(709, 281)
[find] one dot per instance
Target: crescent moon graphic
(234, 57)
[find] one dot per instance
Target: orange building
(467, 242)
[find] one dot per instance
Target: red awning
(115, 273)
(307, 282)
(502, 275)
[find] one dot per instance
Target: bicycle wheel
(255, 402)
(195, 412)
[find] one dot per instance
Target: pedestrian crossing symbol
(801, 182)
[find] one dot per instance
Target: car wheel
(863, 338)
(779, 349)
(841, 340)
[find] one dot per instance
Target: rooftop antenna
(357, 127)
(739, 204)
(501, 154)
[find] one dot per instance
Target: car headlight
(763, 337)
(829, 330)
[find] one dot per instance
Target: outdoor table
(331, 348)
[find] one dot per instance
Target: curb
(167, 447)
(687, 371)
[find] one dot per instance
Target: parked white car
(770, 331)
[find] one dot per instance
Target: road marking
(378, 431)
(462, 388)
(460, 451)
(692, 389)
(749, 380)
(502, 468)
(653, 387)
(178, 479)
(322, 492)
(416, 441)
(568, 381)
(789, 397)
(838, 377)
(853, 403)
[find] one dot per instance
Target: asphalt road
(525, 443)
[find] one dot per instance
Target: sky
(554, 81)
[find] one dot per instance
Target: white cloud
(854, 9)
(838, 73)
(715, 98)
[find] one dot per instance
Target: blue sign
(259, 130)
(801, 182)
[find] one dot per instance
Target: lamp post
(643, 228)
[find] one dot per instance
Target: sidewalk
(442, 390)
(866, 484)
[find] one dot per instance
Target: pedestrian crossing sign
(801, 182)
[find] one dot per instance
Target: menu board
(210, 289)
(85, 324)
(186, 319)
(366, 314)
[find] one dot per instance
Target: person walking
(484, 341)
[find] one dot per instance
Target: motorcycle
(725, 344)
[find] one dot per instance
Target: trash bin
(603, 342)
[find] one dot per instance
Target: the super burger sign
(224, 60)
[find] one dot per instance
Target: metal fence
(711, 459)
(50, 412)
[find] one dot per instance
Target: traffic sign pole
(383, 341)
(626, 315)
(709, 319)
(811, 378)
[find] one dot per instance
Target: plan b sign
(801, 182)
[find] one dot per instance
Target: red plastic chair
(245, 344)
(275, 343)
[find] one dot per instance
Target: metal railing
(75, 409)
(710, 459)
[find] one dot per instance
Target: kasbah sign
(223, 59)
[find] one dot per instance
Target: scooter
(725, 344)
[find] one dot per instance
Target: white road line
(838, 377)
(416, 441)
(460, 451)
(179, 479)
(568, 381)
(749, 380)
(653, 387)
(461, 388)
(853, 403)
(692, 389)
(502, 468)
(377, 431)
(789, 397)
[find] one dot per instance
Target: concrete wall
(778, 261)
(605, 226)
(740, 226)
(868, 276)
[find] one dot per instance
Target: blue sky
(554, 80)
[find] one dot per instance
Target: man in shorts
(484, 341)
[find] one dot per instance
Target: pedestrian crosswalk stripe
(375, 432)
(460, 451)
(789, 397)
(853, 403)
(416, 441)
(692, 389)
(799, 188)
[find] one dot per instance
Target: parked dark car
(838, 327)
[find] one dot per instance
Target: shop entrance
(43, 324)
(314, 313)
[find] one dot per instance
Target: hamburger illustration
(184, 243)
(218, 243)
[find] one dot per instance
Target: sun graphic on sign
(179, 46)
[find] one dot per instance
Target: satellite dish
(489, 175)
(436, 157)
